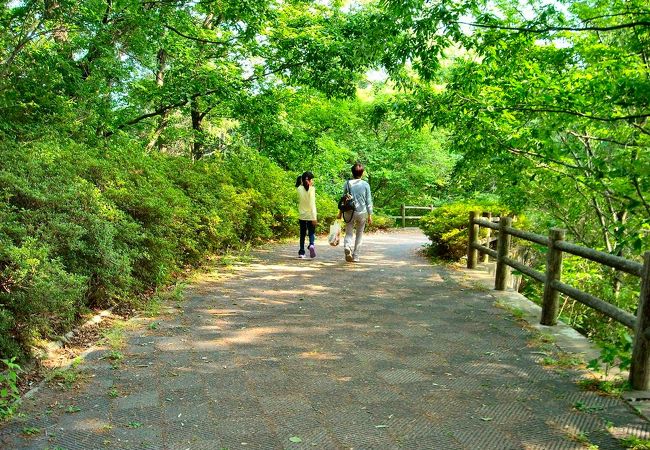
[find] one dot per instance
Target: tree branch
(197, 39)
(621, 26)
(517, 151)
(166, 108)
(609, 16)
(28, 37)
(635, 182)
(544, 109)
(611, 141)
(641, 129)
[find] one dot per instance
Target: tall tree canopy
(102, 67)
(553, 99)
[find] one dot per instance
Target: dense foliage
(138, 137)
(81, 230)
(404, 165)
(447, 225)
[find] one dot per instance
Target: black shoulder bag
(346, 203)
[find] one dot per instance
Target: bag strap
(349, 191)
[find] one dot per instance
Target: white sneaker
(348, 254)
(355, 259)
(301, 256)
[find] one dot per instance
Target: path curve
(390, 353)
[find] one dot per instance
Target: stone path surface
(390, 353)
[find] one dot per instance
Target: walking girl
(307, 212)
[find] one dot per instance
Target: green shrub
(327, 210)
(380, 222)
(446, 227)
(47, 200)
(84, 227)
(40, 297)
(9, 394)
(267, 196)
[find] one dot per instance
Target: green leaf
(295, 439)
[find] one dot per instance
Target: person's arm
(312, 204)
(345, 187)
(369, 203)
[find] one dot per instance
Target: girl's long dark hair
(302, 179)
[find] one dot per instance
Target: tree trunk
(197, 128)
(163, 119)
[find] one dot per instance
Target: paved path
(391, 353)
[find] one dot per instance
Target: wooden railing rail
(403, 215)
(553, 286)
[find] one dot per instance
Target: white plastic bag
(335, 234)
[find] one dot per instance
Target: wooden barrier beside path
(403, 215)
(553, 286)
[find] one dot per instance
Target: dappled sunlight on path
(388, 353)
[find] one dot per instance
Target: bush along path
(283, 353)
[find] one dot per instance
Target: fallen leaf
(295, 439)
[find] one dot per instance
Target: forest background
(138, 137)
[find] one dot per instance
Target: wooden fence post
(550, 300)
(403, 215)
(486, 257)
(473, 239)
(639, 369)
(502, 277)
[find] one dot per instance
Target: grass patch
(115, 357)
(115, 336)
(635, 443)
(155, 303)
(76, 362)
(563, 360)
(586, 408)
(543, 341)
(613, 388)
(229, 260)
(65, 378)
(517, 313)
(476, 286)
(583, 439)
(72, 409)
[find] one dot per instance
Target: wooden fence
(553, 286)
(403, 215)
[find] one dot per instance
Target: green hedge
(82, 228)
(446, 227)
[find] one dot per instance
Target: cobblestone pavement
(389, 353)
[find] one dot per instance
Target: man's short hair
(357, 170)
